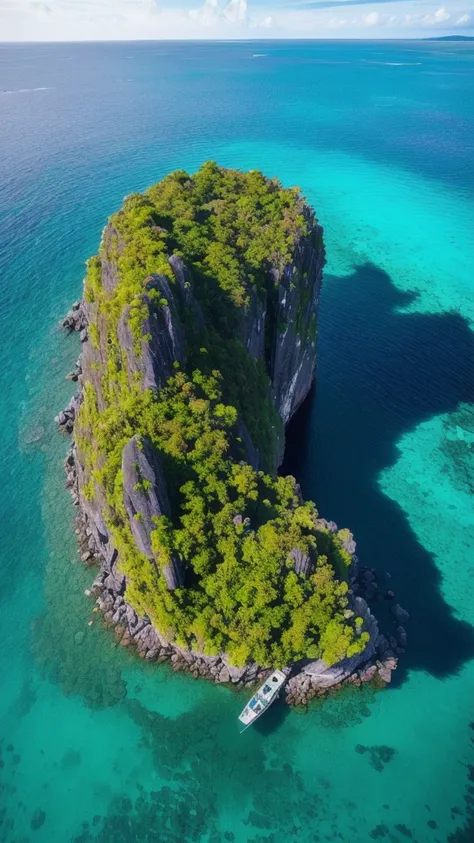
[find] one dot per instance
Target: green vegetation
(235, 529)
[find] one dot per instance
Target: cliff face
(134, 340)
(276, 326)
(287, 320)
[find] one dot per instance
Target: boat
(263, 698)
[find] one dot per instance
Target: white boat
(263, 697)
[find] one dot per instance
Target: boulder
(323, 676)
(224, 675)
(119, 614)
(401, 615)
(371, 591)
(368, 673)
(386, 667)
(401, 637)
(114, 582)
(235, 673)
(147, 639)
(347, 541)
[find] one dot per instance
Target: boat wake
(25, 91)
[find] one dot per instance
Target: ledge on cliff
(199, 344)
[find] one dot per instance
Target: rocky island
(198, 327)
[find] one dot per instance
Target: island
(450, 38)
(198, 326)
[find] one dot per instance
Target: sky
(77, 20)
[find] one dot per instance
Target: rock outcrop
(145, 498)
(277, 326)
(278, 329)
(293, 353)
(161, 325)
(307, 680)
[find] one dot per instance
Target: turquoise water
(94, 744)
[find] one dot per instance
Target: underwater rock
(400, 614)
(38, 819)
(35, 434)
(404, 830)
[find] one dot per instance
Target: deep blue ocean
(95, 745)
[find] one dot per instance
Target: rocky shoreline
(307, 680)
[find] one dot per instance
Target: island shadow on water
(382, 372)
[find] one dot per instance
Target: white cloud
(236, 11)
(267, 22)
(211, 13)
(337, 23)
(206, 13)
(372, 19)
(440, 16)
(47, 20)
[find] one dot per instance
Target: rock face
(277, 327)
(293, 353)
(303, 562)
(162, 325)
(281, 328)
(145, 497)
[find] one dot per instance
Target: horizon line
(235, 39)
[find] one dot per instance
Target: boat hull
(266, 694)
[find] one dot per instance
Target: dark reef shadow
(380, 374)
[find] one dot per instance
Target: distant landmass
(451, 38)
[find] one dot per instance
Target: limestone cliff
(277, 327)
(181, 316)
